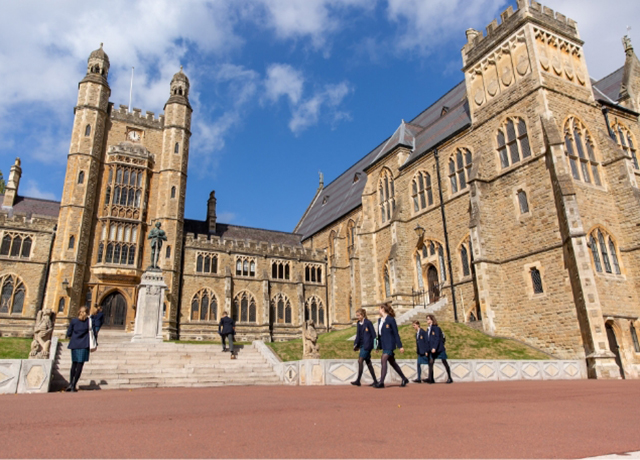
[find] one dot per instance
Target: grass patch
(463, 342)
(14, 347)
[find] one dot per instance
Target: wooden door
(114, 307)
(433, 284)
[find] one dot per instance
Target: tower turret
(211, 212)
(11, 189)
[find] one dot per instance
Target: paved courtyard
(549, 419)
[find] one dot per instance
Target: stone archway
(114, 307)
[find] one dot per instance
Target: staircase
(420, 313)
(120, 364)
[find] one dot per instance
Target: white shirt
(382, 320)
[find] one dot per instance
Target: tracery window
(421, 191)
(244, 308)
(246, 266)
(580, 151)
(118, 242)
(432, 250)
(314, 310)
(626, 142)
(459, 169)
(313, 273)
(513, 141)
(466, 257)
(603, 252)
(207, 263)
(204, 306)
(12, 295)
(126, 189)
(281, 309)
(16, 245)
(386, 195)
(280, 270)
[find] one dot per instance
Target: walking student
(436, 348)
(389, 340)
(78, 334)
(422, 348)
(97, 319)
(226, 329)
(364, 341)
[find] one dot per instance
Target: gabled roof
(238, 232)
(609, 86)
(30, 206)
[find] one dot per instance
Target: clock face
(134, 136)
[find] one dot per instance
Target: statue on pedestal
(310, 348)
(157, 237)
(42, 335)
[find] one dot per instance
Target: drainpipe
(446, 237)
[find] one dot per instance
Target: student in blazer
(422, 348)
(436, 348)
(389, 340)
(227, 329)
(364, 342)
(78, 335)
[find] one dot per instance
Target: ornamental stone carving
(42, 335)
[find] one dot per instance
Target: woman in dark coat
(436, 348)
(364, 342)
(389, 340)
(78, 333)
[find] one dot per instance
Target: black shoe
(417, 381)
(74, 390)
(68, 389)
(373, 384)
(404, 382)
(378, 385)
(425, 380)
(449, 380)
(356, 383)
(430, 381)
(225, 350)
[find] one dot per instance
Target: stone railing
(343, 371)
(27, 375)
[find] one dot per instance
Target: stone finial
(11, 188)
(626, 42)
(211, 212)
(321, 185)
(471, 35)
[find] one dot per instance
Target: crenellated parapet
(149, 120)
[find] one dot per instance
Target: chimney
(11, 189)
(211, 212)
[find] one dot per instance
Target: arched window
(245, 268)
(244, 308)
(204, 306)
(351, 236)
(580, 151)
(443, 272)
(168, 252)
(634, 337)
(87, 131)
(238, 267)
(72, 241)
(176, 148)
(387, 282)
(332, 244)
(604, 252)
(513, 145)
(61, 304)
(523, 202)
(626, 142)
(314, 310)
(281, 305)
(386, 195)
(12, 295)
(6, 245)
(81, 177)
(419, 271)
(459, 168)
(173, 192)
(26, 248)
(465, 258)
(421, 192)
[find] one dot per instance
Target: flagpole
(131, 90)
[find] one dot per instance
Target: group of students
(385, 337)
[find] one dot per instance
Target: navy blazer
(365, 335)
(226, 326)
(422, 342)
(78, 332)
(97, 320)
(435, 339)
(389, 337)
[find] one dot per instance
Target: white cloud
(308, 112)
(281, 80)
(33, 190)
(226, 217)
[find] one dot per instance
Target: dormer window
(325, 200)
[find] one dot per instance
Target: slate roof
(30, 206)
(609, 86)
(237, 232)
(421, 134)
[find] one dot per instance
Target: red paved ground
(502, 419)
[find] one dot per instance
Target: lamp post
(420, 232)
(65, 286)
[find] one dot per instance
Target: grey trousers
(224, 340)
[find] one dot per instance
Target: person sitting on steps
(227, 329)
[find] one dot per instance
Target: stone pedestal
(148, 326)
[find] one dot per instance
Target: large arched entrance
(432, 284)
(114, 307)
(613, 346)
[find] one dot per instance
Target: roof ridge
(251, 228)
(437, 100)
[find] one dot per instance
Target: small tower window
(173, 192)
(168, 255)
(61, 303)
(72, 242)
(87, 131)
(522, 200)
(81, 177)
(634, 336)
(536, 281)
(176, 149)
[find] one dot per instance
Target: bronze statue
(42, 335)
(157, 237)
(310, 348)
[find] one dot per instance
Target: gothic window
(580, 151)
(281, 305)
(421, 191)
(634, 337)
(128, 186)
(465, 257)
(107, 195)
(120, 240)
(207, 263)
(173, 192)
(314, 310)
(87, 131)
(443, 272)
(176, 149)
(604, 252)
(204, 306)
(332, 244)
(246, 266)
(626, 142)
(386, 195)
(513, 141)
(72, 242)
(61, 304)
(387, 282)
(313, 273)
(12, 294)
(351, 236)
(81, 177)
(522, 201)
(459, 168)
(244, 308)
(280, 270)
(16, 245)
(536, 280)
(419, 271)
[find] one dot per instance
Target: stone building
(514, 195)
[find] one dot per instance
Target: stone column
(151, 292)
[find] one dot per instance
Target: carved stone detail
(560, 57)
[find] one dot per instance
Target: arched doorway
(613, 346)
(432, 284)
(114, 307)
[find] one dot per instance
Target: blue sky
(281, 89)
